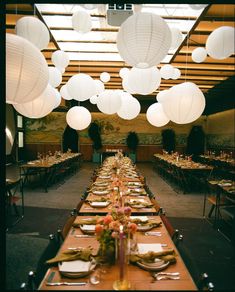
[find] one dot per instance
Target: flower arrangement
(107, 231)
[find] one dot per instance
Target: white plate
(99, 204)
(104, 176)
(76, 269)
(158, 265)
(89, 229)
(100, 192)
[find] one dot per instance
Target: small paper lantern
(109, 102)
(156, 115)
(26, 70)
(144, 81)
(167, 71)
(34, 30)
(143, 40)
(162, 95)
(81, 87)
(55, 77)
(62, 70)
(94, 99)
(176, 37)
(125, 85)
(99, 86)
(64, 93)
(104, 77)
(220, 43)
(39, 107)
(197, 6)
(176, 73)
(60, 59)
(184, 103)
(89, 6)
(199, 55)
(78, 118)
(123, 72)
(81, 21)
(130, 107)
(57, 98)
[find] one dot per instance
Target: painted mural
(114, 130)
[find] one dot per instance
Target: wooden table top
(138, 278)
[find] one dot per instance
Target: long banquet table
(139, 279)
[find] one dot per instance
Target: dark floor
(207, 249)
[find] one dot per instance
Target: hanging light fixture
(64, 92)
(167, 71)
(123, 72)
(156, 115)
(199, 55)
(94, 99)
(130, 107)
(55, 76)
(162, 95)
(220, 43)
(26, 70)
(34, 30)
(57, 98)
(109, 102)
(176, 73)
(143, 40)
(125, 85)
(176, 37)
(39, 107)
(81, 21)
(60, 59)
(78, 117)
(104, 77)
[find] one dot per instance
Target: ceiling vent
(118, 13)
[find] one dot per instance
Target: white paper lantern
(156, 115)
(220, 43)
(199, 55)
(123, 72)
(99, 86)
(55, 76)
(109, 102)
(162, 95)
(184, 103)
(125, 85)
(176, 73)
(130, 107)
(78, 117)
(39, 107)
(81, 87)
(81, 21)
(57, 98)
(26, 70)
(89, 6)
(176, 37)
(167, 71)
(143, 40)
(94, 99)
(144, 81)
(197, 6)
(62, 70)
(104, 77)
(34, 30)
(60, 59)
(64, 93)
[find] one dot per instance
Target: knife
(66, 283)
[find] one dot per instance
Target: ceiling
(95, 52)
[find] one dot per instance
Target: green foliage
(132, 141)
(94, 134)
(168, 140)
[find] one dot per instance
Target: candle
(121, 254)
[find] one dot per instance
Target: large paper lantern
(143, 40)
(162, 95)
(55, 76)
(89, 6)
(176, 73)
(60, 59)
(220, 43)
(109, 102)
(78, 118)
(57, 98)
(130, 107)
(123, 72)
(199, 55)
(197, 6)
(81, 87)
(64, 93)
(125, 85)
(156, 115)
(104, 77)
(26, 70)
(34, 30)
(176, 37)
(99, 86)
(184, 103)
(39, 107)
(144, 81)
(167, 71)
(81, 21)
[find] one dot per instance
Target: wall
(220, 129)
(46, 134)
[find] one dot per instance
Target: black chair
(62, 233)
(171, 230)
(204, 283)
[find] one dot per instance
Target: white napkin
(99, 204)
(88, 227)
(77, 266)
(146, 247)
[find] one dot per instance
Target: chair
(204, 284)
(168, 226)
(62, 233)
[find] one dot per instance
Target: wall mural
(114, 130)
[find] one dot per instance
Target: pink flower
(127, 210)
(114, 225)
(114, 234)
(107, 219)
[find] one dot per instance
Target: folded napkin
(150, 222)
(83, 254)
(166, 255)
(88, 221)
(144, 204)
(102, 199)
